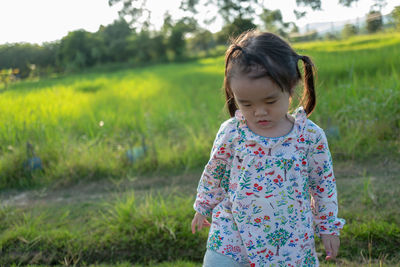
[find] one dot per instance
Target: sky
(38, 21)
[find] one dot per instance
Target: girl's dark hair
(263, 54)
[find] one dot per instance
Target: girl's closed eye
(245, 104)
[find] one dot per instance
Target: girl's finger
(199, 226)
(194, 223)
(193, 227)
(328, 250)
(335, 247)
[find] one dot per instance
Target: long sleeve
(323, 187)
(210, 190)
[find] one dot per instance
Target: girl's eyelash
(248, 105)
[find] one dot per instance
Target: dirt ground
(347, 173)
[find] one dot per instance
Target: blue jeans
(215, 259)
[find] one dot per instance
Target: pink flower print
(320, 147)
(259, 152)
(230, 248)
(270, 173)
(298, 193)
(257, 220)
(266, 218)
(233, 186)
(306, 236)
(278, 179)
(257, 187)
(320, 189)
(269, 254)
(301, 139)
(293, 242)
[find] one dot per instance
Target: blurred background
(108, 111)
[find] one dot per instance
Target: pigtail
(230, 99)
(308, 99)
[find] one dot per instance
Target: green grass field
(99, 199)
(83, 126)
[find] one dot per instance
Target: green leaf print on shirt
(245, 182)
(309, 259)
(219, 171)
(215, 240)
(284, 164)
(278, 239)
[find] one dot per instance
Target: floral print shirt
(269, 197)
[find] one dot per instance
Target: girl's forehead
(245, 88)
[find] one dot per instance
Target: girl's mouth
(263, 122)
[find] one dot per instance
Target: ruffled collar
(300, 120)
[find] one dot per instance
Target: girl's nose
(260, 111)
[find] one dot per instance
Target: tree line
(130, 39)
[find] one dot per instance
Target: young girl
(269, 181)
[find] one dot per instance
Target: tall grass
(85, 126)
(148, 228)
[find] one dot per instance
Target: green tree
(78, 50)
(233, 29)
(396, 17)
(316, 5)
(115, 40)
(22, 55)
(202, 40)
(349, 30)
(175, 34)
(278, 239)
(231, 10)
(146, 47)
(135, 12)
(273, 22)
(139, 46)
(378, 5)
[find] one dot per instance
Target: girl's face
(263, 105)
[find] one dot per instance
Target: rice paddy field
(100, 168)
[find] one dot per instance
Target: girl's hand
(331, 244)
(200, 221)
